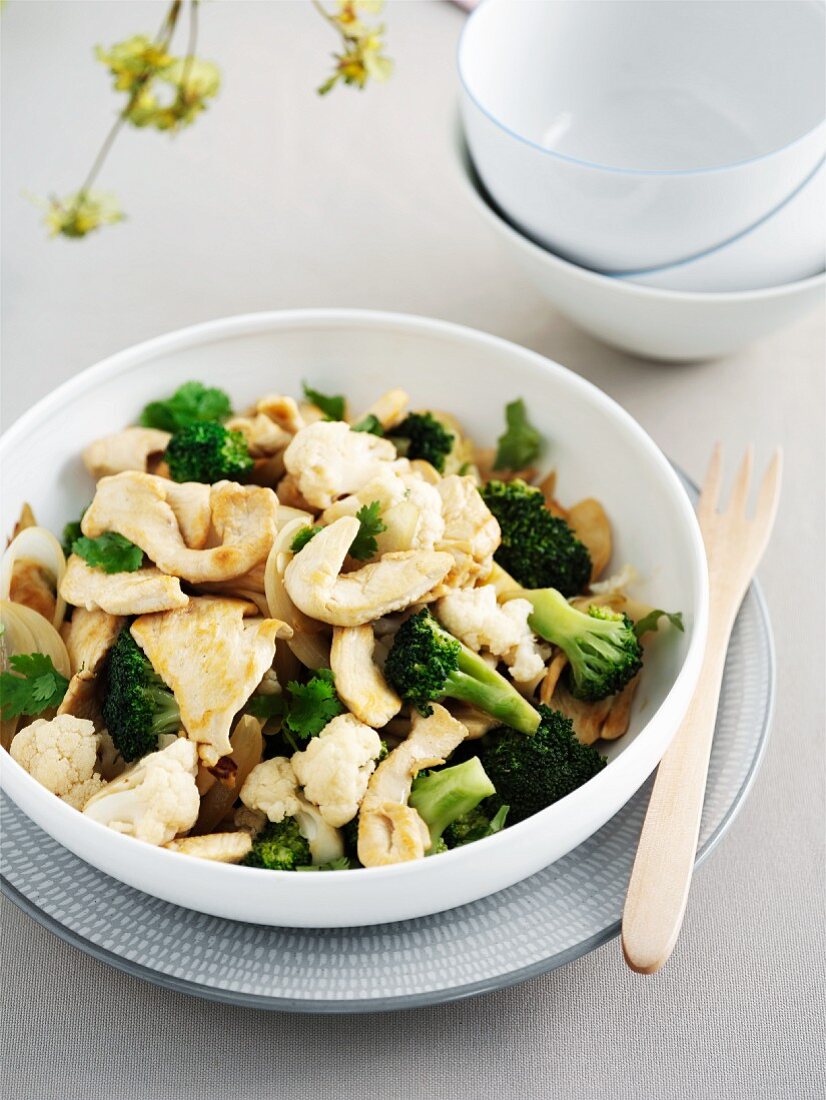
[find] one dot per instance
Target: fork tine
(768, 496)
(742, 483)
(710, 492)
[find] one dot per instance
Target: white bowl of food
(648, 321)
(633, 135)
(214, 641)
(788, 246)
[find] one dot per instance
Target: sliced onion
(247, 747)
(40, 546)
(286, 514)
(27, 632)
(310, 641)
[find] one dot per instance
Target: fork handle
(661, 875)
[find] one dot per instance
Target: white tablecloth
(278, 199)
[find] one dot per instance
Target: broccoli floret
(425, 437)
(208, 452)
(485, 820)
(137, 705)
(427, 663)
(350, 836)
(538, 549)
(530, 773)
(446, 794)
(279, 847)
(601, 645)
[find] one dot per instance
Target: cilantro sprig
(312, 705)
(109, 552)
(304, 709)
(33, 685)
(189, 404)
(333, 407)
(72, 532)
(369, 423)
(520, 443)
(303, 537)
(364, 545)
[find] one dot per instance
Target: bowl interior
(639, 85)
(596, 447)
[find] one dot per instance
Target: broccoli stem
(554, 619)
(475, 682)
(601, 645)
(446, 795)
(167, 718)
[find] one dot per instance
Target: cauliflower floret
(328, 460)
(271, 791)
(425, 497)
(526, 660)
(272, 788)
(474, 616)
(156, 799)
(62, 755)
(336, 766)
(397, 484)
(471, 533)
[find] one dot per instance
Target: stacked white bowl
(666, 151)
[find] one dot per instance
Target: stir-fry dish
(297, 639)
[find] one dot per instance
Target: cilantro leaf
(369, 423)
(302, 537)
(312, 705)
(651, 621)
(364, 545)
(189, 404)
(332, 407)
(266, 706)
(520, 443)
(110, 552)
(33, 686)
(72, 532)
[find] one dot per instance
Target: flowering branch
(137, 66)
(141, 66)
(361, 58)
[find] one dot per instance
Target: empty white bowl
(785, 247)
(668, 325)
(472, 374)
(631, 135)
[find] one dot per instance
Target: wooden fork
(661, 876)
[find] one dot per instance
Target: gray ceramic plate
(557, 915)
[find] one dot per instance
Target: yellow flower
(194, 82)
(133, 61)
(361, 59)
(81, 213)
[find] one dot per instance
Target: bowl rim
(621, 283)
(196, 335)
(809, 181)
(461, 49)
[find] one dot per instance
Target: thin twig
(163, 38)
(101, 157)
(190, 48)
(319, 7)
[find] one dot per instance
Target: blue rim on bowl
(461, 46)
(723, 244)
(490, 210)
